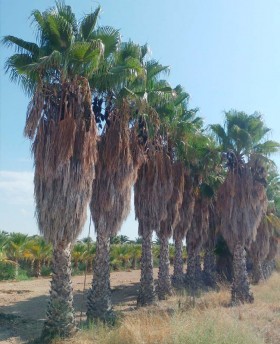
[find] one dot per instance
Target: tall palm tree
(269, 227)
(200, 157)
(61, 125)
(152, 190)
(179, 122)
(154, 185)
(192, 153)
(209, 260)
(269, 263)
(195, 238)
(242, 200)
(182, 228)
(164, 287)
(116, 169)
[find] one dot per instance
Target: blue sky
(225, 53)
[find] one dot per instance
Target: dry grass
(210, 320)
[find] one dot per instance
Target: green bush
(22, 275)
(46, 271)
(7, 271)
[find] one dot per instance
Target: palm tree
(165, 231)
(4, 240)
(209, 260)
(116, 169)
(195, 238)
(37, 251)
(269, 263)
(182, 228)
(241, 199)
(264, 245)
(78, 253)
(16, 249)
(179, 122)
(154, 185)
(61, 125)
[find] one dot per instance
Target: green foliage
(45, 271)
(30, 250)
(7, 271)
(244, 135)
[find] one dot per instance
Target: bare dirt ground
(23, 304)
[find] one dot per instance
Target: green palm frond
(17, 66)
(52, 61)
(58, 32)
(21, 46)
(155, 70)
(88, 23)
(241, 138)
(129, 50)
(268, 147)
(220, 134)
(67, 13)
(109, 36)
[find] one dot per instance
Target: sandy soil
(23, 304)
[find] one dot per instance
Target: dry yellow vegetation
(207, 319)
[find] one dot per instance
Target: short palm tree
(16, 248)
(241, 199)
(37, 251)
(61, 125)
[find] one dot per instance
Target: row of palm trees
(33, 255)
(103, 120)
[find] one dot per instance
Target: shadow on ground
(22, 321)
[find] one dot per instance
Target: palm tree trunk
(178, 275)
(164, 288)
(267, 267)
(16, 268)
(198, 271)
(191, 282)
(99, 298)
(240, 292)
(37, 268)
(209, 269)
(146, 293)
(60, 320)
(257, 274)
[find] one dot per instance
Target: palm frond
(268, 147)
(154, 69)
(88, 23)
(109, 36)
(21, 46)
(67, 13)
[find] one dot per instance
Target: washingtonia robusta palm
(241, 199)
(153, 186)
(61, 126)
(203, 172)
(117, 166)
(264, 245)
(178, 122)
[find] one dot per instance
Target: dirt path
(23, 304)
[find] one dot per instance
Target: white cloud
(16, 187)
(17, 206)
